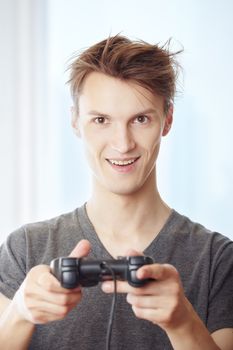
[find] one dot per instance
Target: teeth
(122, 162)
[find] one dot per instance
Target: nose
(122, 139)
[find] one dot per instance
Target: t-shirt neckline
(90, 234)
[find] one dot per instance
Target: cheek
(93, 149)
(95, 141)
(154, 150)
(153, 142)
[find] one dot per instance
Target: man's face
(121, 125)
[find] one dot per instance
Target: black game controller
(72, 272)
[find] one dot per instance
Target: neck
(136, 217)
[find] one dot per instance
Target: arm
(11, 323)
(163, 302)
(224, 338)
(39, 300)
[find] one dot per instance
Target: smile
(122, 162)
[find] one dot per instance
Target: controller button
(133, 276)
(68, 262)
(69, 277)
(135, 260)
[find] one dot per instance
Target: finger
(159, 272)
(63, 299)
(42, 305)
(40, 275)
(47, 281)
(82, 249)
(157, 316)
(147, 301)
(44, 312)
(122, 287)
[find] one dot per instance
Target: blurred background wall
(43, 170)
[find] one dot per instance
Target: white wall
(43, 171)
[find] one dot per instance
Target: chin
(124, 191)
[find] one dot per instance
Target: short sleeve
(220, 310)
(12, 263)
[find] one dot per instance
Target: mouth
(124, 165)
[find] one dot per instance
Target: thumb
(132, 252)
(82, 249)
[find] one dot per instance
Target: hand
(41, 299)
(161, 301)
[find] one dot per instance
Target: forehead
(107, 94)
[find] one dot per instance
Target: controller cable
(113, 307)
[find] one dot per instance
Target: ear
(168, 121)
(74, 121)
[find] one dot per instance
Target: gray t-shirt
(204, 260)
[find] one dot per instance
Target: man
(123, 93)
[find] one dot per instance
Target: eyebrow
(95, 113)
(145, 111)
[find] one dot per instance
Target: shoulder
(195, 233)
(39, 242)
(189, 243)
(55, 225)
(43, 228)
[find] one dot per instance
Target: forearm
(15, 333)
(193, 336)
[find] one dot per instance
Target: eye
(100, 120)
(141, 119)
